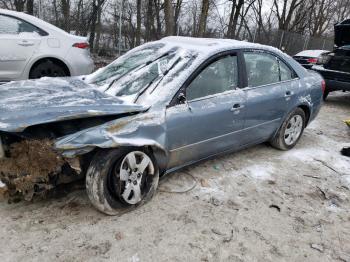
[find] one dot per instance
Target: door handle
(236, 107)
(25, 43)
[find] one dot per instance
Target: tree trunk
(203, 18)
(138, 23)
(98, 29)
(66, 14)
(19, 5)
(169, 17)
(30, 7)
(96, 6)
(235, 11)
(158, 19)
(149, 20)
(177, 14)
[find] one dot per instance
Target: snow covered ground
(259, 204)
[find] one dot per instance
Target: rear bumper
(307, 66)
(333, 85)
(332, 79)
(80, 62)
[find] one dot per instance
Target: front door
(210, 119)
(18, 41)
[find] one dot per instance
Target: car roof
(33, 20)
(210, 45)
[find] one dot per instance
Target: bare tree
(66, 14)
(203, 18)
(96, 6)
(285, 14)
(138, 26)
(30, 7)
(19, 5)
(234, 15)
(178, 7)
(169, 17)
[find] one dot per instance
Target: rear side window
(12, 26)
(218, 77)
(262, 69)
(286, 72)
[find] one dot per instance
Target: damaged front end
(31, 167)
(33, 115)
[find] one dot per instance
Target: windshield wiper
(160, 79)
(136, 69)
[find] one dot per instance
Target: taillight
(81, 45)
(312, 60)
(323, 86)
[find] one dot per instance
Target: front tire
(120, 180)
(291, 130)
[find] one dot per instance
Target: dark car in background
(309, 58)
(335, 66)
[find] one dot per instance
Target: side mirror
(182, 98)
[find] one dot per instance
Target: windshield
(142, 77)
(124, 65)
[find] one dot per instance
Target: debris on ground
(318, 247)
(31, 162)
(346, 151)
(275, 207)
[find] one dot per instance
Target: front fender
(147, 129)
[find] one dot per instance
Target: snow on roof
(210, 44)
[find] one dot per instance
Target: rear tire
(113, 187)
(291, 130)
(325, 95)
(47, 68)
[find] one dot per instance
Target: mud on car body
(160, 107)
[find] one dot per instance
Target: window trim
(201, 67)
(41, 31)
(279, 59)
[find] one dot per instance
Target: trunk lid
(342, 33)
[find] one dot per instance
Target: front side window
(13, 26)
(218, 77)
(262, 69)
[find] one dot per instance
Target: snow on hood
(33, 102)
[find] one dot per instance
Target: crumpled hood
(33, 102)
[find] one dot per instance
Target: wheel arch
(56, 60)
(161, 157)
(304, 107)
(307, 112)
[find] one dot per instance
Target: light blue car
(160, 107)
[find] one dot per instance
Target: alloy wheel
(293, 130)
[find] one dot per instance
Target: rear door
(266, 96)
(19, 40)
(210, 119)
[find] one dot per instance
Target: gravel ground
(259, 204)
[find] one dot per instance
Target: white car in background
(308, 58)
(32, 48)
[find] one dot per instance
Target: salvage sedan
(160, 107)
